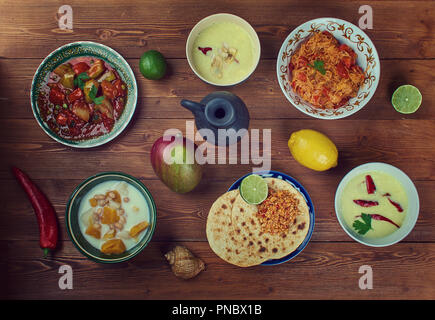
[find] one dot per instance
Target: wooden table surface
(403, 33)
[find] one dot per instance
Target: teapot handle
(195, 107)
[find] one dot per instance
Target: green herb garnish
(93, 95)
(65, 106)
(362, 227)
(319, 65)
(79, 81)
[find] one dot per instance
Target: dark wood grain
(401, 28)
(328, 267)
(183, 219)
(162, 99)
(322, 270)
(403, 145)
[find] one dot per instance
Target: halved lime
(406, 99)
(253, 189)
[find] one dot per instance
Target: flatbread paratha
(234, 231)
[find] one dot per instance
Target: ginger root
(183, 263)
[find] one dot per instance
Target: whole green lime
(152, 65)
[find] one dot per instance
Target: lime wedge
(406, 99)
(253, 189)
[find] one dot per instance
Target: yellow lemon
(313, 149)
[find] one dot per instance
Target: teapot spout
(195, 107)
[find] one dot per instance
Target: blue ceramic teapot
(222, 112)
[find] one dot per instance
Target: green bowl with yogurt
(136, 202)
(377, 204)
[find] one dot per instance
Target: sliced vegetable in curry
(82, 99)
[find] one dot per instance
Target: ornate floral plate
(77, 49)
(347, 33)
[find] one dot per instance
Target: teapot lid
(220, 113)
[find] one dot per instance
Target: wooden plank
(137, 26)
(328, 267)
(161, 99)
(183, 217)
(399, 142)
(321, 271)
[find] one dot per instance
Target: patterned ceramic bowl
(78, 49)
(346, 33)
(72, 217)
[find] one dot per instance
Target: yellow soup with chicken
(374, 204)
(223, 53)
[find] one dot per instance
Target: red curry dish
(82, 99)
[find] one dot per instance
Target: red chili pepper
(371, 188)
(45, 213)
(398, 206)
(382, 218)
(204, 50)
(366, 203)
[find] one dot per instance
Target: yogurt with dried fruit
(223, 53)
(114, 216)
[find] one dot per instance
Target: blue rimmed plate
(301, 189)
(85, 49)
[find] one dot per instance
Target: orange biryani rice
(324, 73)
